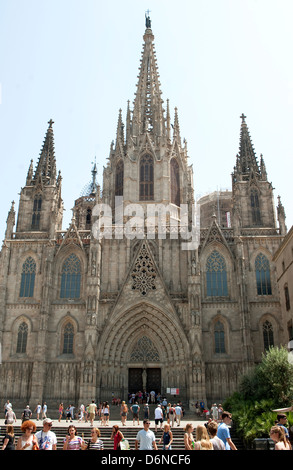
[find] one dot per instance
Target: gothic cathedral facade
(85, 316)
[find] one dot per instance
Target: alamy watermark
(149, 221)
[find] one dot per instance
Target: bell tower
(252, 193)
(148, 162)
(40, 205)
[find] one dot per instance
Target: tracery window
(175, 182)
(263, 278)
(144, 273)
(219, 336)
(268, 335)
(255, 209)
(144, 351)
(22, 336)
(68, 338)
(216, 276)
(28, 275)
(37, 207)
(146, 178)
(71, 278)
(119, 178)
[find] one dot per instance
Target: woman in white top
(28, 440)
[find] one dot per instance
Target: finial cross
(242, 117)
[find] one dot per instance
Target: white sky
(77, 63)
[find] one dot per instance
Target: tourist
(26, 414)
(28, 440)
(106, 413)
(7, 406)
(68, 414)
(212, 428)
(72, 440)
(94, 443)
(145, 439)
(215, 412)
(135, 413)
(202, 439)
(146, 411)
(10, 416)
(123, 413)
(60, 411)
(171, 414)
(167, 438)
(224, 431)
(178, 414)
(92, 410)
(188, 437)
(9, 439)
(44, 411)
(47, 439)
(117, 437)
(277, 434)
(81, 412)
(158, 417)
(38, 410)
(282, 422)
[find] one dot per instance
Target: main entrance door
(135, 380)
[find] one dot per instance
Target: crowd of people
(214, 434)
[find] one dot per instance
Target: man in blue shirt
(224, 432)
(282, 422)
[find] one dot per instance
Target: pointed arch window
(219, 337)
(263, 278)
(37, 207)
(255, 208)
(28, 275)
(287, 297)
(68, 338)
(216, 275)
(175, 182)
(119, 178)
(71, 278)
(268, 335)
(88, 219)
(146, 178)
(22, 336)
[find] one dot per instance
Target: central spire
(148, 110)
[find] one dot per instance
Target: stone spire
(148, 110)
(246, 161)
(45, 172)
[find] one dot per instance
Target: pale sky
(77, 63)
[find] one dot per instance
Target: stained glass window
(146, 178)
(262, 272)
(255, 209)
(28, 278)
(219, 333)
(68, 338)
(22, 338)
(175, 182)
(268, 335)
(36, 213)
(119, 178)
(71, 278)
(216, 275)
